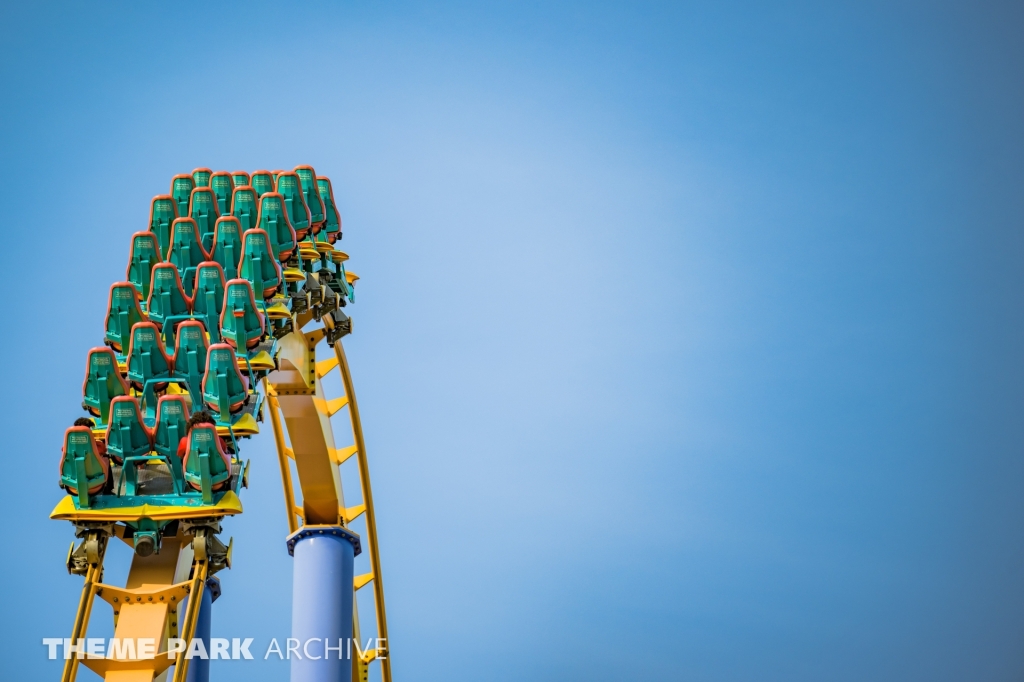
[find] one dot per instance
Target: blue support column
(199, 668)
(322, 598)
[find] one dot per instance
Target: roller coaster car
(258, 264)
(241, 178)
(83, 470)
(273, 219)
(144, 254)
(331, 214)
(181, 192)
(102, 383)
(262, 182)
(290, 188)
(208, 296)
(187, 251)
(311, 195)
(189, 360)
(201, 177)
(207, 467)
(168, 305)
(163, 211)
(223, 185)
(203, 210)
(123, 312)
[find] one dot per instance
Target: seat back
(201, 177)
(241, 178)
(144, 254)
(290, 188)
(171, 423)
(181, 192)
(204, 211)
(241, 323)
(208, 299)
(244, 206)
(222, 185)
(147, 359)
(163, 210)
(332, 217)
(127, 435)
(103, 382)
(311, 194)
(227, 245)
(190, 355)
(204, 444)
(79, 444)
(273, 219)
(223, 383)
(262, 182)
(258, 264)
(186, 251)
(123, 313)
(166, 296)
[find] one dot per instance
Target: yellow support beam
(350, 514)
(342, 455)
(360, 581)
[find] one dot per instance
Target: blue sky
(687, 340)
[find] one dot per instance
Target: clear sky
(688, 340)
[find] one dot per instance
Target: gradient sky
(688, 339)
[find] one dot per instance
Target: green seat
(167, 302)
(222, 185)
(227, 245)
(206, 467)
(148, 362)
(311, 194)
(169, 429)
(144, 254)
(331, 214)
(258, 264)
(209, 297)
(204, 211)
(171, 424)
(262, 182)
(290, 188)
(241, 178)
(273, 219)
(123, 313)
(163, 210)
(245, 207)
(201, 177)
(83, 472)
(127, 435)
(187, 252)
(103, 382)
(190, 356)
(223, 384)
(181, 192)
(241, 323)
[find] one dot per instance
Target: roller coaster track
(175, 530)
